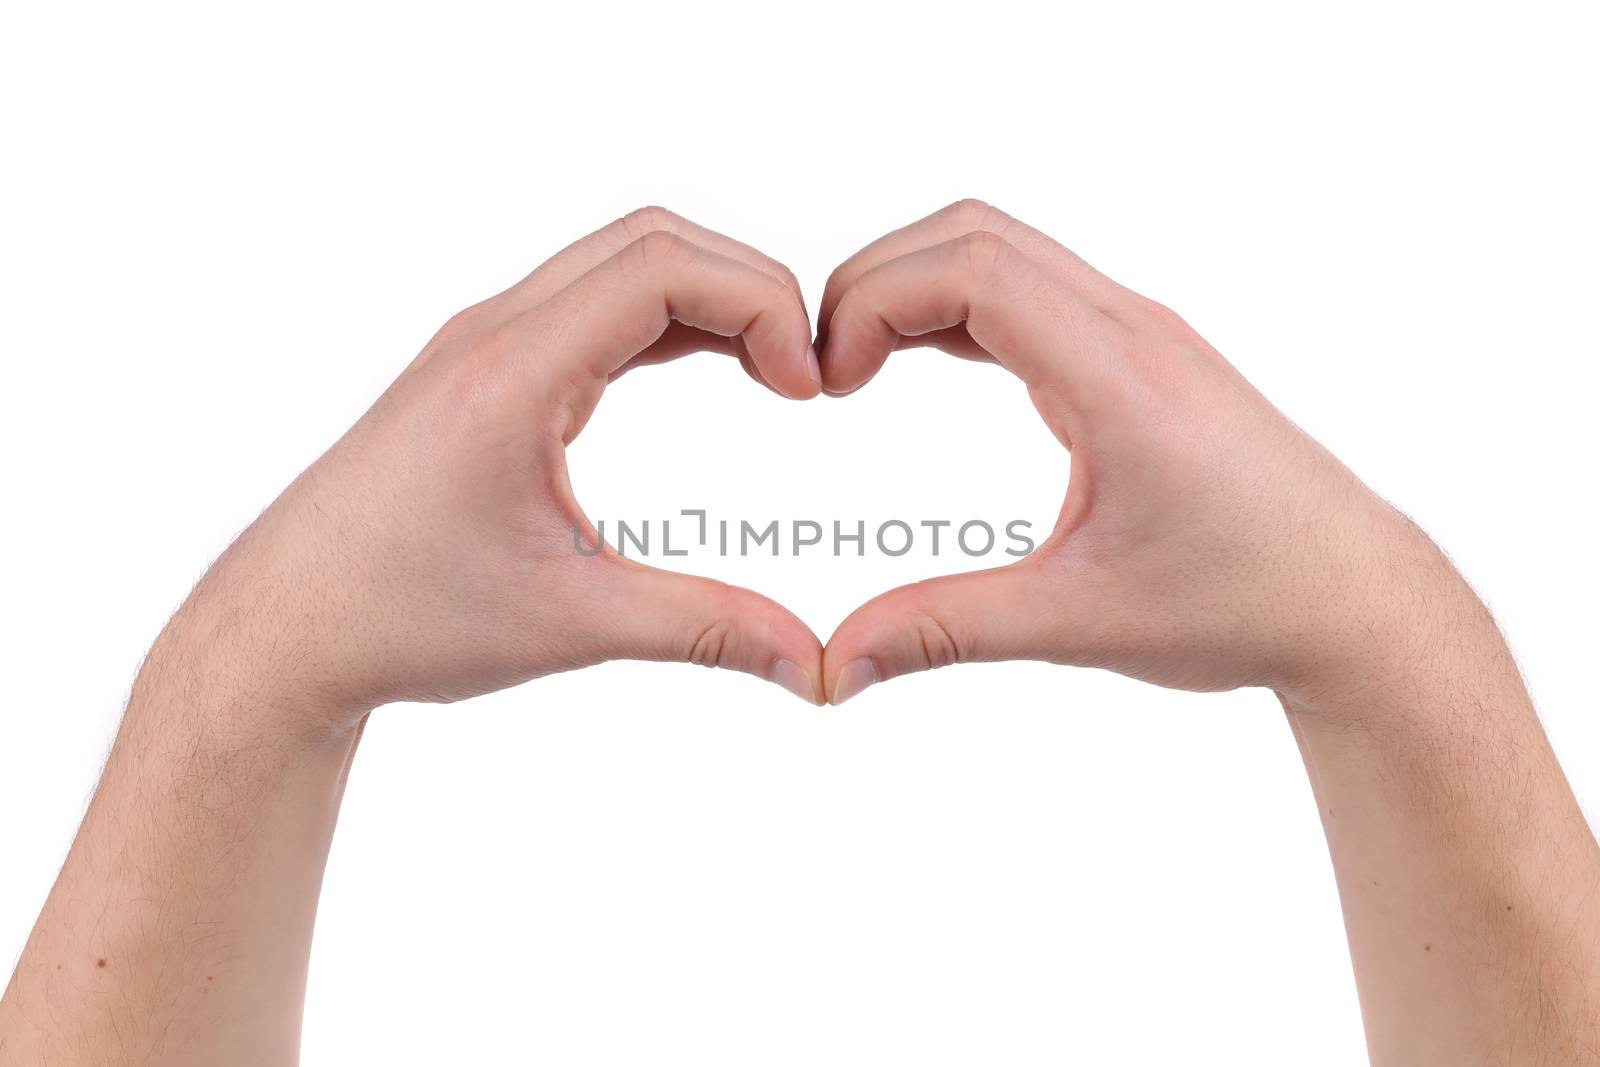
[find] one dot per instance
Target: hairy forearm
(179, 928)
(1468, 876)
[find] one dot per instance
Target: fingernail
(791, 677)
(813, 368)
(856, 676)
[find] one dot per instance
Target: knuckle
(1163, 314)
(983, 252)
(711, 643)
(780, 288)
(498, 345)
(935, 641)
(789, 279)
(654, 249)
(1170, 327)
(464, 324)
(838, 280)
(969, 212)
(972, 214)
(648, 219)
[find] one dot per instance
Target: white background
(222, 231)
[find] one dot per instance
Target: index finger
(1040, 329)
(588, 252)
(620, 307)
(975, 216)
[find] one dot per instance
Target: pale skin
(1205, 543)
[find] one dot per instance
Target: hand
(429, 555)
(1205, 542)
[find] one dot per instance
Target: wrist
(1403, 638)
(243, 664)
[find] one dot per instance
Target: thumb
(666, 616)
(1008, 613)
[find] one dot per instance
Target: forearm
(1468, 876)
(179, 929)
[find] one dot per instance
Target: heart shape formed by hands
(1194, 517)
(1142, 573)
